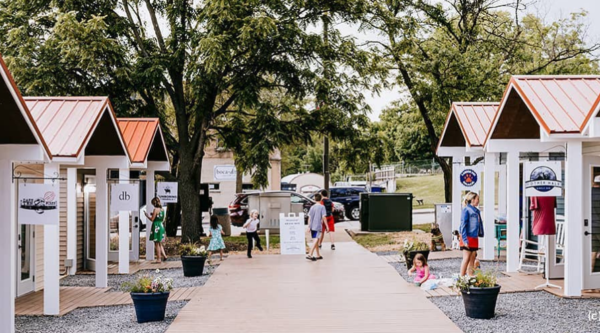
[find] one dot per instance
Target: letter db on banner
(124, 197)
(543, 179)
(469, 178)
(291, 232)
(38, 204)
(166, 192)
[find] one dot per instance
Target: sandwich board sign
(167, 192)
(291, 233)
(38, 204)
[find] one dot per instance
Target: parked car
(238, 208)
(349, 196)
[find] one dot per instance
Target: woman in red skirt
(471, 228)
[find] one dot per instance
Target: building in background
(303, 182)
(218, 171)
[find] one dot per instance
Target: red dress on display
(543, 215)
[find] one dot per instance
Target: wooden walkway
(72, 298)
(351, 290)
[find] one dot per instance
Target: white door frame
(134, 252)
(591, 280)
(27, 285)
(89, 180)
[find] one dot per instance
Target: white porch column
(489, 196)
(124, 230)
(573, 220)
(72, 218)
(51, 253)
(149, 196)
(7, 250)
(512, 219)
(502, 189)
(101, 227)
(456, 200)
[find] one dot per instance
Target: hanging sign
(224, 172)
(167, 192)
(291, 233)
(38, 204)
(124, 197)
(543, 179)
(469, 178)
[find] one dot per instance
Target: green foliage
(373, 240)
(192, 249)
(481, 279)
(146, 283)
(414, 245)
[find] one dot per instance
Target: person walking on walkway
(317, 220)
(471, 228)
(251, 227)
(157, 230)
(216, 239)
(328, 204)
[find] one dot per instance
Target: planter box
(409, 256)
(150, 306)
(480, 303)
(193, 265)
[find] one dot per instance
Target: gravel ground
(445, 268)
(526, 312)
(385, 253)
(106, 319)
(115, 281)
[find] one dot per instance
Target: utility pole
(325, 138)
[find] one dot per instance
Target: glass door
(591, 225)
(89, 197)
(25, 260)
(134, 236)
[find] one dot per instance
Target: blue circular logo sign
(543, 179)
(468, 177)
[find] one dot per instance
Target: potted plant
(479, 294)
(192, 259)
(149, 295)
(411, 248)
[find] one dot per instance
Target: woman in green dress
(157, 231)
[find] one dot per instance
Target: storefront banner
(543, 179)
(167, 192)
(124, 197)
(469, 178)
(291, 232)
(38, 204)
(224, 172)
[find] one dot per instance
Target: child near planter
(422, 269)
(216, 237)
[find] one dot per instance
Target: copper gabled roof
(67, 123)
(560, 103)
(474, 120)
(139, 135)
(9, 82)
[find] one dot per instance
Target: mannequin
(543, 215)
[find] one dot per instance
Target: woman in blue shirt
(471, 228)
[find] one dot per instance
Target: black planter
(193, 265)
(150, 306)
(409, 256)
(480, 303)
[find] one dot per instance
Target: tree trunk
(173, 219)
(191, 215)
(447, 169)
(239, 179)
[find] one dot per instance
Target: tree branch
(157, 31)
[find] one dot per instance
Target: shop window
(214, 187)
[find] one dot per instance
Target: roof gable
(560, 103)
(69, 123)
(468, 124)
(143, 138)
(22, 129)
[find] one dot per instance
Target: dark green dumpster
(386, 211)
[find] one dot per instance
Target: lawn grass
(425, 227)
(430, 189)
(239, 243)
(388, 241)
(370, 241)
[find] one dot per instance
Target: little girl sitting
(422, 270)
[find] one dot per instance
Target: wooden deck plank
(327, 292)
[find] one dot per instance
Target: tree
(212, 62)
(459, 50)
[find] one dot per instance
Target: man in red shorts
(325, 201)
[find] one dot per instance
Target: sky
(551, 10)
